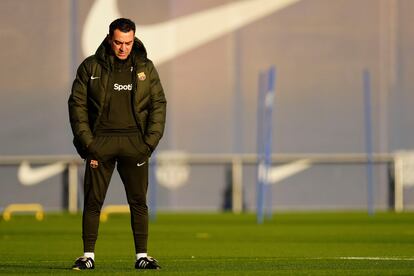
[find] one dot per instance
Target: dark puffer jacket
(90, 94)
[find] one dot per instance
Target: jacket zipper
(133, 100)
(106, 99)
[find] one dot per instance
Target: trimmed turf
(219, 244)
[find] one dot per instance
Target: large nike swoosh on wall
(29, 176)
(281, 172)
(166, 40)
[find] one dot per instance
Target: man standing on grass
(117, 112)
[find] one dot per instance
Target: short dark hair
(123, 24)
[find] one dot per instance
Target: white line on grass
(192, 259)
(400, 258)
(378, 258)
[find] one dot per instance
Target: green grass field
(219, 244)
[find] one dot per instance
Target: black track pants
(130, 157)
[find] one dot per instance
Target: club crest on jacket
(141, 76)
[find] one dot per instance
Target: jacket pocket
(140, 147)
